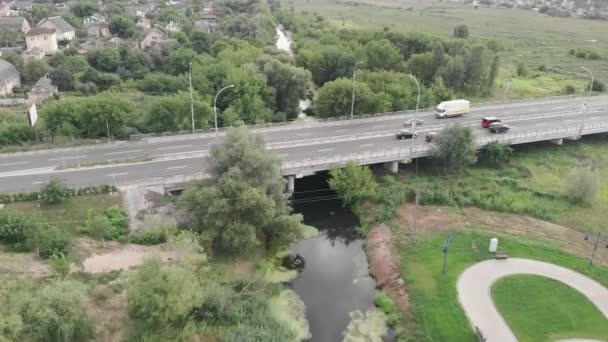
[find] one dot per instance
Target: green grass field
(523, 35)
(72, 213)
(433, 297)
(559, 310)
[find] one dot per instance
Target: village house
(173, 26)
(144, 23)
(9, 78)
(14, 24)
(43, 38)
(41, 90)
(97, 29)
(153, 37)
(35, 53)
(208, 19)
(95, 18)
(63, 29)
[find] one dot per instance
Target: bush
(60, 264)
(455, 148)
(581, 186)
(101, 293)
(53, 192)
(388, 306)
(570, 89)
(594, 55)
(14, 228)
(598, 85)
(497, 153)
(118, 220)
(461, 31)
(522, 70)
(152, 236)
(50, 240)
(581, 54)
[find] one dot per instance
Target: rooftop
(40, 30)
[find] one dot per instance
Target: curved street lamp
(215, 104)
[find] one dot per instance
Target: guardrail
(335, 120)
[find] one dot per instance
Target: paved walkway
(475, 284)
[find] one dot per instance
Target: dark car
(488, 120)
(499, 127)
(430, 136)
(405, 134)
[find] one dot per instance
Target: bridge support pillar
(291, 184)
(392, 166)
(557, 141)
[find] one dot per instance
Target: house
(43, 38)
(95, 18)
(63, 29)
(151, 38)
(97, 29)
(208, 21)
(22, 5)
(167, 43)
(173, 26)
(34, 53)
(138, 11)
(144, 23)
(41, 90)
(14, 24)
(85, 48)
(9, 78)
(5, 6)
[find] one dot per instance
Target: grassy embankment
(562, 311)
(524, 36)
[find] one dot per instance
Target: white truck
(448, 109)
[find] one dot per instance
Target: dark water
(334, 280)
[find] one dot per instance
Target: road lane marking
(37, 182)
(117, 174)
(283, 155)
(341, 130)
(65, 158)
(172, 147)
(326, 150)
(176, 167)
(177, 153)
(303, 134)
(17, 163)
(366, 145)
(121, 152)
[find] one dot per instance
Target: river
(334, 284)
(283, 42)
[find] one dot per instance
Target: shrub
(581, 186)
(497, 153)
(388, 306)
(594, 55)
(570, 89)
(60, 264)
(49, 240)
(153, 236)
(581, 54)
(598, 85)
(461, 31)
(101, 293)
(455, 148)
(53, 192)
(118, 220)
(14, 228)
(522, 70)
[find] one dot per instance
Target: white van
(448, 109)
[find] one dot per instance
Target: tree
(455, 148)
(181, 59)
(53, 192)
(244, 205)
(14, 229)
(100, 227)
(200, 41)
(122, 26)
(491, 77)
(49, 240)
(522, 69)
(57, 313)
(461, 31)
(353, 182)
(474, 67)
(328, 62)
(440, 91)
(62, 78)
(107, 59)
(161, 300)
(581, 186)
(172, 113)
(33, 69)
(422, 66)
(381, 54)
(497, 153)
(334, 99)
(84, 9)
(453, 73)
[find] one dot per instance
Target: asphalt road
(180, 155)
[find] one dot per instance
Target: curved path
(475, 285)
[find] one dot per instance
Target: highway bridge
(304, 148)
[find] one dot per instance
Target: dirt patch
(385, 266)
(432, 219)
(15, 264)
(111, 317)
(123, 258)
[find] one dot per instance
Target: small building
(63, 29)
(34, 53)
(97, 29)
(151, 38)
(41, 90)
(208, 21)
(43, 38)
(14, 24)
(9, 78)
(144, 23)
(95, 18)
(173, 26)
(23, 5)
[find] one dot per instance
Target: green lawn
(524, 36)
(558, 310)
(72, 213)
(434, 303)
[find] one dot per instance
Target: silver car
(410, 122)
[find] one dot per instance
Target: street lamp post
(352, 101)
(597, 241)
(191, 98)
(588, 99)
(412, 150)
(215, 104)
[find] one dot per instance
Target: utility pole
(597, 241)
(414, 134)
(586, 104)
(191, 98)
(352, 101)
(108, 129)
(215, 104)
